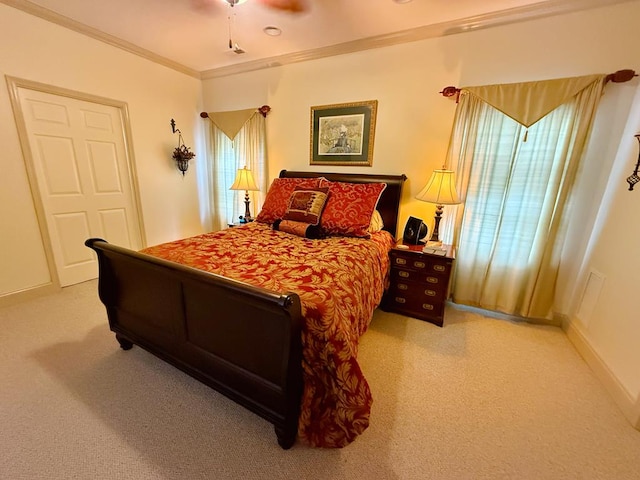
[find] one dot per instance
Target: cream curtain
(231, 122)
(528, 102)
(236, 139)
(509, 228)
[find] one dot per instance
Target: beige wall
(414, 123)
(611, 330)
(36, 50)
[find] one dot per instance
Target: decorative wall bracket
(181, 154)
(634, 178)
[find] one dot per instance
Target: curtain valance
(528, 102)
(231, 122)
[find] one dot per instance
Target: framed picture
(343, 134)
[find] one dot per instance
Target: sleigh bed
(268, 318)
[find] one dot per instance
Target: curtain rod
(264, 110)
(620, 76)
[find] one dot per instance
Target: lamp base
(247, 213)
(434, 234)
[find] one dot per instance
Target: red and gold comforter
(339, 280)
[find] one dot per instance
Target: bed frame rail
(241, 340)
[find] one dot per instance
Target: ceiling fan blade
(206, 6)
(294, 6)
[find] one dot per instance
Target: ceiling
(193, 35)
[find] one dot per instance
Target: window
(230, 148)
(515, 182)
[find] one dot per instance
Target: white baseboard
(28, 294)
(629, 406)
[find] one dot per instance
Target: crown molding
(53, 17)
(504, 17)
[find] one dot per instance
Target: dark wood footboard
(243, 341)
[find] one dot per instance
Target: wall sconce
(634, 178)
(181, 154)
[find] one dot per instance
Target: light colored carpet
(480, 398)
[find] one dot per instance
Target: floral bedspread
(339, 280)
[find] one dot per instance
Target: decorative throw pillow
(300, 229)
(349, 207)
(377, 224)
(277, 199)
(306, 204)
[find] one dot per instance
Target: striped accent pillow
(277, 200)
(306, 204)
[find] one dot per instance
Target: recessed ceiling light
(233, 2)
(272, 31)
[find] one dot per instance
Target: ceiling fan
(294, 6)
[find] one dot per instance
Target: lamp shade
(440, 189)
(244, 180)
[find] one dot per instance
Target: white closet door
(82, 170)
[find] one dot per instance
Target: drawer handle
(400, 300)
(401, 261)
(430, 293)
(403, 286)
(419, 264)
(432, 280)
(427, 306)
(439, 268)
(403, 274)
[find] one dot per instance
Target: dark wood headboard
(389, 202)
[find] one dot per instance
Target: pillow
(350, 207)
(306, 204)
(300, 229)
(277, 199)
(377, 224)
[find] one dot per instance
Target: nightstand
(419, 283)
(237, 224)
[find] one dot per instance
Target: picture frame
(343, 134)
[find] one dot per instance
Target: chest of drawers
(419, 283)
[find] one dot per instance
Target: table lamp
(244, 181)
(441, 190)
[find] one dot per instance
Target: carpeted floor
(480, 398)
